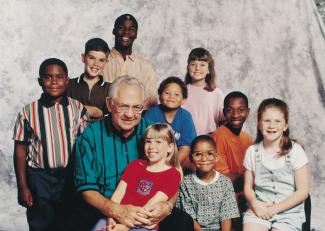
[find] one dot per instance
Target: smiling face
(172, 96)
(125, 34)
(124, 108)
(204, 157)
(272, 124)
(54, 82)
(94, 63)
(156, 150)
(198, 70)
(236, 112)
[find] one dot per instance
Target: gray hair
(127, 80)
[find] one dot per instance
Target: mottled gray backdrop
(263, 48)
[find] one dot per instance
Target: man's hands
(157, 212)
(130, 216)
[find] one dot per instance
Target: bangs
(198, 57)
(159, 131)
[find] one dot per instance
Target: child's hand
(272, 209)
(26, 197)
(261, 209)
(111, 223)
(94, 111)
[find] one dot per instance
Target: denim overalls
(273, 186)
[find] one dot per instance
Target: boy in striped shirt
(44, 134)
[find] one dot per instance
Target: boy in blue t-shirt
(172, 95)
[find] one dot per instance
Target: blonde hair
(165, 132)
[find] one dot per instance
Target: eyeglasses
(122, 108)
(210, 155)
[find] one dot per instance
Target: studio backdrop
(262, 48)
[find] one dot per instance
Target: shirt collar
(46, 101)
(201, 182)
(115, 54)
(100, 82)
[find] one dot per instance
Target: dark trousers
(47, 190)
(80, 216)
(83, 217)
(178, 220)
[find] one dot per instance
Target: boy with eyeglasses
(206, 195)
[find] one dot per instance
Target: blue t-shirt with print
(182, 124)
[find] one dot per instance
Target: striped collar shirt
(102, 154)
(49, 131)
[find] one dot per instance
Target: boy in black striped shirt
(44, 134)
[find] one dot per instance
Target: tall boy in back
(89, 88)
(44, 134)
(232, 143)
(172, 95)
(122, 60)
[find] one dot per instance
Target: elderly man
(102, 153)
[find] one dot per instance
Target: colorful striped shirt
(49, 131)
(102, 154)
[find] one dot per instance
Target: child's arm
(119, 192)
(117, 198)
(226, 225)
(183, 156)
(93, 111)
(301, 193)
(158, 197)
(197, 226)
(259, 208)
(20, 169)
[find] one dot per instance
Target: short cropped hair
(201, 139)
(173, 79)
(124, 80)
(96, 44)
(124, 17)
(51, 61)
(234, 94)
